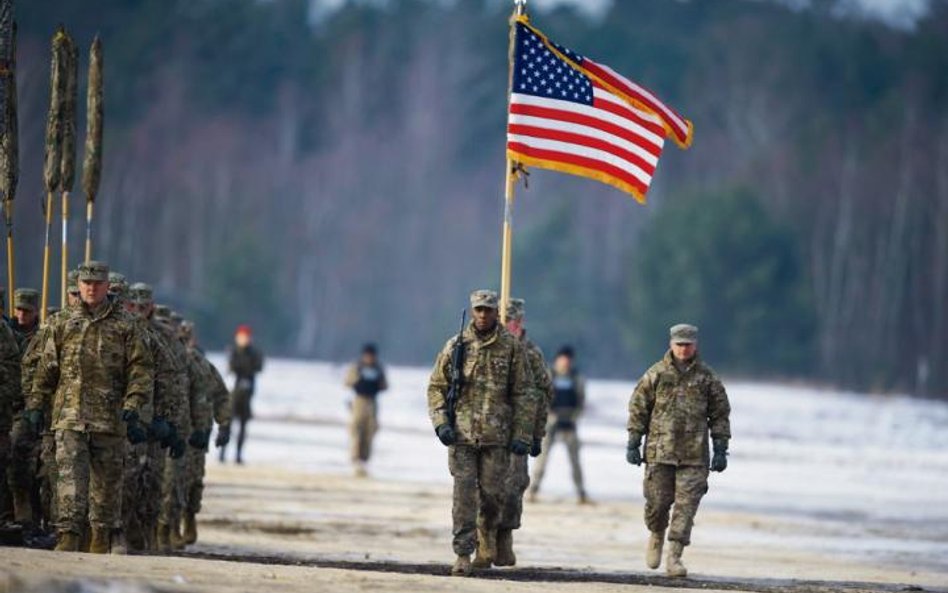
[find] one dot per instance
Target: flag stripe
(551, 124)
(592, 155)
(603, 99)
(580, 161)
(534, 132)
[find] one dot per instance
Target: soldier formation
(107, 408)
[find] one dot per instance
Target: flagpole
(510, 178)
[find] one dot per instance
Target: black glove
(35, 419)
(171, 438)
(633, 454)
(159, 429)
(177, 448)
(537, 448)
(133, 428)
(719, 461)
(519, 447)
(199, 438)
(223, 436)
(446, 434)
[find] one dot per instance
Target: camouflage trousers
(90, 474)
(362, 428)
(47, 475)
(518, 478)
(144, 464)
(683, 486)
(194, 489)
(571, 439)
(173, 480)
(479, 475)
(6, 500)
(22, 473)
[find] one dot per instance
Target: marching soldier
(9, 397)
(97, 373)
(569, 398)
(675, 405)
(494, 417)
(367, 379)
(245, 362)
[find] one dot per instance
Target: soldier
(98, 373)
(493, 417)
(9, 397)
(569, 398)
(518, 476)
(367, 379)
(675, 404)
(245, 362)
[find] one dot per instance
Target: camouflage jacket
(170, 378)
(92, 365)
(496, 404)
(202, 402)
(185, 374)
(677, 409)
(10, 392)
(218, 395)
(542, 386)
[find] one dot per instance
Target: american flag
(570, 114)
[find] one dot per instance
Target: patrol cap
(516, 308)
(683, 333)
(50, 311)
(484, 298)
(176, 317)
(94, 271)
(163, 311)
(141, 293)
(26, 298)
(187, 329)
(72, 282)
(118, 285)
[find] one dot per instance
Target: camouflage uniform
(93, 365)
(25, 443)
(566, 405)
(675, 405)
(367, 381)
(217, 407)
(494, 409)
(9, 397)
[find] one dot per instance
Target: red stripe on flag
(581, 140)
(572, 159)
(628, 113)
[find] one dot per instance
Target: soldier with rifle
(481, 406)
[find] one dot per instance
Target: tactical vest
(370, 381)
(565, 394)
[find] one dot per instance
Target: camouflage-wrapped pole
(52, 162)
(92, 161)
(9, 145)
(67, 168)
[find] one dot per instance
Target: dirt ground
(268, 529)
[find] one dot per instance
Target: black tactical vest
(565, 394)
(370, 381)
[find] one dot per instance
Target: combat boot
(99, 542)
(504, 554)
(653, 552)
(190, 529)
(673, 564)
(462, 566)
(484, 556)
(163, 538)
(67, 541)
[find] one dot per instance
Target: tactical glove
(198, 439)
(223, 436)
(719, 461)
(177, 448)
(133, 428)
(633, 453)
(537, 448)
(171, 438)
(519, 447)
(35, 419)
(159, 429)
(446, 434)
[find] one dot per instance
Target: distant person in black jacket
(367, 379)
(569, 398)
(245, 362)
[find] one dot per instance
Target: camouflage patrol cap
(187, 329)
(118, 285)
(141, 293)
(72, 282)
(94, 271)
(683, 333)
(52, 311)
(176, 317)
(484, 298)
(163, 311)
(516, 309)
(26, 298)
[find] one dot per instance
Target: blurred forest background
(335, 176)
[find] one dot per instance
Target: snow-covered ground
(872, 469)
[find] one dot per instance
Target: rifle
(457, 371)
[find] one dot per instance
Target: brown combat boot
(190, 529)
(462, 566)
(100, 540)
(673, 564)
(67, 541)
(484, 556)
(504, 554)
(163, 538)
(653, 552)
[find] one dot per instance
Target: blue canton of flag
(539, 72)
